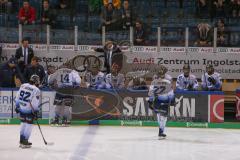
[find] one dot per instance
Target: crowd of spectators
(119, 15)
(218, 8)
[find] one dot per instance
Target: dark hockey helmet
(186, 69)
(209, 69)
(162, 71)
(35, 79)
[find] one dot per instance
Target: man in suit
(24, 54)
(112, 54)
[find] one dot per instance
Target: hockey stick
(45, 142)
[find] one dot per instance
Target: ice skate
(55, 122)
(161, 135)
(25, 144)
(65, 123)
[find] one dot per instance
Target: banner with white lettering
(125, 104)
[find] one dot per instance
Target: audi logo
(82, 63)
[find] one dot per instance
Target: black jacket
(7, 76)
(19, 54)
(117, 57)
(31, 70)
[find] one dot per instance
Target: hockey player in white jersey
(64, 78)
(27, 105)
(186, 81)
(161, 96)
(115, 80)
(211, 80)
(95, 79)
(162, 73)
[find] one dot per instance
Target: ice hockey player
(115, 80)
(186, 81)
(66, 78)
(27, 105)
(162, 73)
(95, 79)
(161, 96)
(211, 81)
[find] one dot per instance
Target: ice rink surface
(121, 143)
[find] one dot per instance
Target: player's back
(160, 87)
(28, 95)
(64, 77)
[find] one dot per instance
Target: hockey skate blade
(24, 146)
(161, 138)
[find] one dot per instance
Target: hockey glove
(17, 109)
(150, 105)
(212, 80)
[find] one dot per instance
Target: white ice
(121, 143)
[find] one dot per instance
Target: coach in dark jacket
(9, 74)
(112, 54)
(24, 54)
(34, 68)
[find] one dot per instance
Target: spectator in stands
(64, 7)
(5, 6)
(235, 8)
(137, 83)
(219, 8)
(211, 80)
(9, 74)
(204, 35)
(34, 68)
(27, 14)
(202, 8)
(95, 6)
(24, 54)
(109, 17)
(180, 6)
(127, 15)
(116, 3)
(139, 34)
(187, 81)
(220, 32)
(48, 14)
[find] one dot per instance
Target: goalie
(64, 78)
(161, 96)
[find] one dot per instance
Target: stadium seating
(153, 13)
